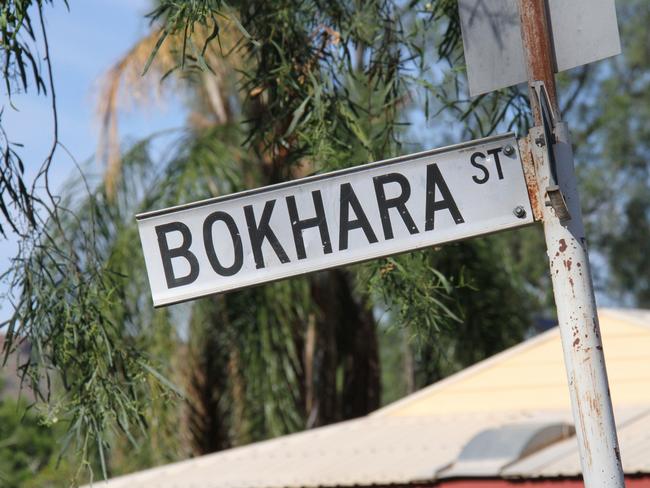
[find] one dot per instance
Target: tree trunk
(347, 352)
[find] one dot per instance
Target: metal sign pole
(566, 246)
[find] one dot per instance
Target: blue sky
(84, 43)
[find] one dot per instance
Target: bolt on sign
(334, 219)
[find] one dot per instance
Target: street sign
(582, 31)
(334, 219)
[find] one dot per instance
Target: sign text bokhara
(334, 219)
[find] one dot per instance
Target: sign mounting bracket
(554, 196)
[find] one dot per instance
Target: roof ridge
(629, 315)
(466, 372)
(617, 313)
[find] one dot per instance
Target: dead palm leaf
(125, 86)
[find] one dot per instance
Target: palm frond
(125, 87)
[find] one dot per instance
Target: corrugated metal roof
(562, 459)
(490, 450)
(419, 438)
(368, 451)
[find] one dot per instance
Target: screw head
(540, 141)
(520, 212)
(508, 150)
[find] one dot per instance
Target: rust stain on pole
(536, 38)
(530, 176)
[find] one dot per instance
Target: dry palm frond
(125, 86)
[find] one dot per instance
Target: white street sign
(582, 31)
(334, 219)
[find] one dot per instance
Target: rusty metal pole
(570, 273)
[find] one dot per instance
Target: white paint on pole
(334, 219)
(582, 31)
(578, 320)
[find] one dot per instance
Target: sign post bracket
(548, 140)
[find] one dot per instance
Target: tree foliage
(29, 453)
(610, 117)
(22, 37)
(278, 90)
